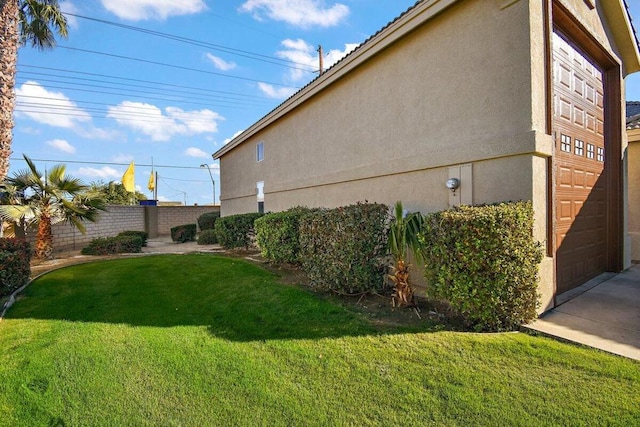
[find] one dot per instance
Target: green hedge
(484, 261)
(207, 221)
(207, 237)
(183, 233)
(114, 245)
(142, 234)
(236, 231)
(15, 258)
(278, 234)
(344, 249)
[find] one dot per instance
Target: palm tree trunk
(44, 239)
(403, 293)
(8, 62)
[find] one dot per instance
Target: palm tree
(22, 21)
(47, 200)
(403, 237)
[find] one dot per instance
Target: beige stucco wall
(438, 97)
(634, 192)
(466, 87)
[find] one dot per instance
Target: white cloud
(122, 158)
(162, 126)
(301, 52)
(138, 10)
(104, 173)
(301, 13)
(228, 140)
(51, 108)
(276, 93)
(30, 130)
(196, 152)
(67, 7)
(61, 145)
(197, 121)
(220, 63)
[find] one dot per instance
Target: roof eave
(623, 34)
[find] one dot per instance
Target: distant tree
(114, 193)
(21, 22)
(32, 198)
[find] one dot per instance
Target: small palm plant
(403, 237)
(47, 200)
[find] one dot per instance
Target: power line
(61, 110)
(140, 81)
(173, 91)
(140, 94)
(57, 104)
(226, 49)
(105, 163)
(146, 97)
(164, 64)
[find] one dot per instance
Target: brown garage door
(580, 198)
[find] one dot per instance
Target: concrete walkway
(164, 245)
(606, 316)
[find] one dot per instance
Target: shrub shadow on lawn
(235, 300)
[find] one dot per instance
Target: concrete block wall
(120, 218)
(171, 216)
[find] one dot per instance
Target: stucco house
(517, 99)
(633, 135)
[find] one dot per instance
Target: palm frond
(15, 213)
(40, 20)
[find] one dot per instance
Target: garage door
(580, 198)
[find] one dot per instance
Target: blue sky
(174, 80)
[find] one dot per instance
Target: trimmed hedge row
(207, 221)
(236, 231)
(15, 258)
(142, 234)
(278, 234)
(183, 233)
(483, 260)
(344, 249)
(114, 245)
(207, 237)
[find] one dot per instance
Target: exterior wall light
(453, 184)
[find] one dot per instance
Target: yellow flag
(152, 182)
(128, 179)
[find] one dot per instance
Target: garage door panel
(580, 199)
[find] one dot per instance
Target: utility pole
(206, 165)
(320, 59)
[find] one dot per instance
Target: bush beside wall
(207, 221)
(183, 233)
(484, 261)
(15, 258)
(278, 234)
(114, 245)
(142, 234)
(207, 237)
(236, 231)
(344, 249)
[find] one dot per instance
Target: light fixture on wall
(453, 184)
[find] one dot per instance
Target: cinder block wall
(170, 216)
(120, 218)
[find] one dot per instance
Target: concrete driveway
(606, 316)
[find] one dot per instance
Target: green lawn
(200, 340)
